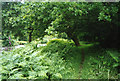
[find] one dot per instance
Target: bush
(31, 63)
(6, 41)
(60, 46)
(44, 41)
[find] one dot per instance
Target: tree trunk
(76, 41)
(30, 35)
(74, 38)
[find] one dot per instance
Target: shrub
(31, 63)
(60, 46)
(7, 42)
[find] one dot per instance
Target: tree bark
(30, 35)
(74, 38)
(76, 41)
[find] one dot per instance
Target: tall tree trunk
(74, 38)
(76, 41)
(30, 35)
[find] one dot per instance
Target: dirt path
(82, 61)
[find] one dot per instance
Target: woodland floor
(81, 61)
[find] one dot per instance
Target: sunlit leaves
(73, 17)
(104, 17)
(31, 63)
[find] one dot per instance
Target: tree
(77, 20)
(9, 13)
(71, 18)
(29, 18)
(86, 18)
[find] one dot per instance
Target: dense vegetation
(80, 21)
(58, 60)
(81, 38)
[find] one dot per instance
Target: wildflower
(9, 38)
(9, 42)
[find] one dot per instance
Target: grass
(74, 58)
(96, 63)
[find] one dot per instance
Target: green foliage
(21, 42)
(101, 65)
(50, 31)
(83, 20)
(59, 59)
(115, 55)
(96, 22)
(60, 46)
(16, 16)
(7, 42)
(31, 63)
(44, 41)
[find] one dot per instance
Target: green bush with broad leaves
(31, 62)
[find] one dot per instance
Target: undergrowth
(99, 65)
(30, 62)
(60, 59)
